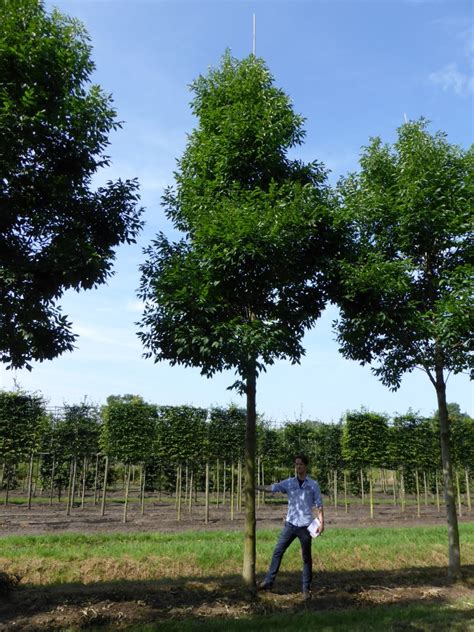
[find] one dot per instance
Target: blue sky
(354, 70)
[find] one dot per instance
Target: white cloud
(449, 77)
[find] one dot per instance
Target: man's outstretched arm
(264, 488)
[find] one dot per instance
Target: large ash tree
(407, 299)
(249, 275)
(56, 231)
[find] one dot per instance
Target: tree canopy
(237, 288)
(249, 274)
(56, 231)
(406, 297)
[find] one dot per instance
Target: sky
(354, 69)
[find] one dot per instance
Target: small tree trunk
(7, 489)
(417, 482)
(142, 488)
(190, 499)
(217, 483)
(127, 472)
(104, 489)
(179, 491)
(159, 485)
(454, 567)
(84, 474)
(468, 491)
(438, 506)
(186, 483)
(35, 486)
(96, 478)
(206, 508)
(239, 486)
(51, 488)
(69, 487)
(263, 482)
(346, 507)
(394, 487)
(425, 486)
(258, 481)
(335, 489)
(402, 492)
(232, 476)
(249, 565)
(362, 486)
(371, 496)
(224, 483)
(458, 491)
(30, 480)
(176, 488)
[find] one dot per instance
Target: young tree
(407, 298)
(23, 422)
(56, 233)
(239, 289)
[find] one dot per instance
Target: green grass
(77, 557)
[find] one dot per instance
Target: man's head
(301, 465)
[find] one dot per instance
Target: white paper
(313, 528)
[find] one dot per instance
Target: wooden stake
(180, 486)
(418, 508)
(371, 496)
(437, 492)
(128, 472)
(142, 487)
(224, 490)
(458, 490)
(346, 507)
(468, 492)
(104, 488)
(84, 473)
(96, 479)
(51, 489)
(206, 514)
(30, 480)
(232, 492)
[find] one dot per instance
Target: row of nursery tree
(131, 431)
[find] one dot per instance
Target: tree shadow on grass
(219, 598)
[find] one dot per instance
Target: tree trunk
(96, 477)
(104, 489)
(142, 488)
(30, 480)
(468, 492)
(454, 567)
(206, 495)
(248, 572)
(51, 490)
(127, 472)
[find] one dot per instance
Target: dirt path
(161, 516)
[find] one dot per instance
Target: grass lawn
(370, 579)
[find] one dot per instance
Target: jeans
(289, 533)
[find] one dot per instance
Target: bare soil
(161, 516)
(125, 604)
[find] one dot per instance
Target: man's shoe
(263, 585)
(307, 595)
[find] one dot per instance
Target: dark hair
(302, 457)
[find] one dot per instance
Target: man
(304, 496)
